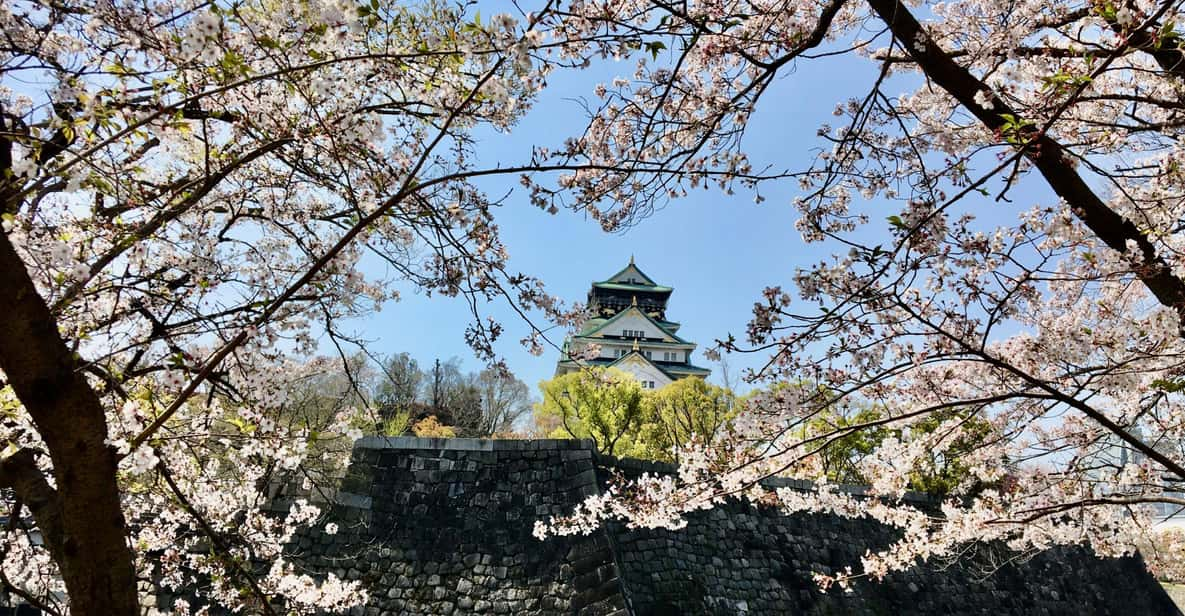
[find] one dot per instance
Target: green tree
(603, 404)
(398, 390)
(841, 455)
(942, 472)
(938, 474)
(688, 407)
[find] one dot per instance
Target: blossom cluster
(972, 268)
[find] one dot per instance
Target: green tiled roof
(591, 325)
(622, 271)
(688, 369)
(598, 361)
(672, 370)
(622, 286)
(683, 344)
(644, 315)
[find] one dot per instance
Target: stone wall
(443, 526)
(434, 526)
(739, 559)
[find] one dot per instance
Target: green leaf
(654, 47)
(1168, 386)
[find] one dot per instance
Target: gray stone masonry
(443, 526)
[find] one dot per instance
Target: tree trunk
(81, 519)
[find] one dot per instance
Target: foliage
(602, 404)
(610, 407)
(329, 401)
(1163, 552)
(397, 397)
(397, 424)
(475, 404)
(399, 387)
(429, 427)
(677, 412)
(504, 401)
(448, 393)
(845, 447)
(851, 437)
(946, 470)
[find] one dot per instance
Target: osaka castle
(629, 324)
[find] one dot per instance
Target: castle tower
(629, 323)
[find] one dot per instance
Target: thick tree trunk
(82, 520)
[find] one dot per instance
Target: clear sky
(717, 251)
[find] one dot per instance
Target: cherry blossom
(188, 193)
(1006, 242)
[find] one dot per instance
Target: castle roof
(633, 310)
(674, 370)
(631, 278)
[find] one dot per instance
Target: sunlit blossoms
(189, 192)
(1006, 244)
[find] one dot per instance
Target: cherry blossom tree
(1007, 243)
(186, 192)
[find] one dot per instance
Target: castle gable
(632, 323)
(632, 275)
(651, 376)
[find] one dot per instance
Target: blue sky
(717, 251)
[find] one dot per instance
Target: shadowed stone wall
(434, 526)
(740, 559)
(443, 526)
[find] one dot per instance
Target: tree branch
(1047, 155)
